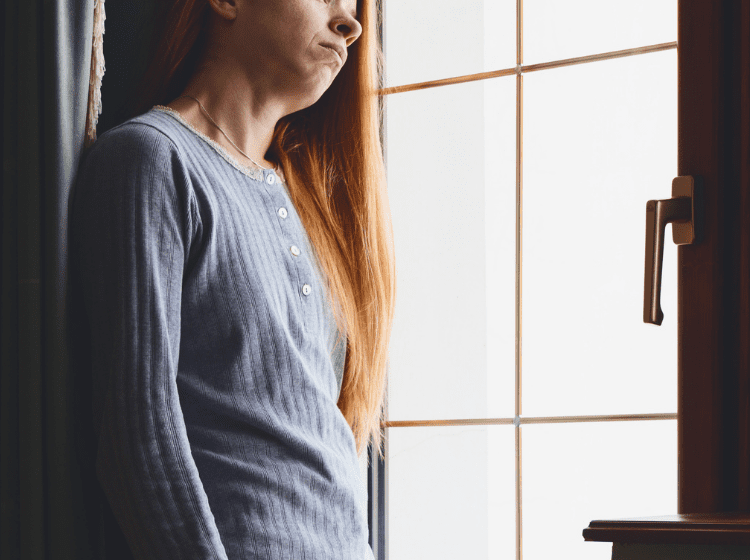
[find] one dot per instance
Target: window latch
(685, 212)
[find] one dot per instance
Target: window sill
(691, 536)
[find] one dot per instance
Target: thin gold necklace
(225, 134)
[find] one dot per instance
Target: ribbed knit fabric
(215, 378)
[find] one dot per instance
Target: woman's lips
(336, 51)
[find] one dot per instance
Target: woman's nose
(349, 27)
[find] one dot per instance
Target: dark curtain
(50, 504)
(46, 65)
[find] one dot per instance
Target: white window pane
(442, 38)
(574, 473)
(451, 493)
(554, 30)
(600, 140)
(452, 189)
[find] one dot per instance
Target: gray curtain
(50, 504)
(46, 65)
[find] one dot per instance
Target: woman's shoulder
(147, 134)
(137, 155)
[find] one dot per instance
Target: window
(518, 181)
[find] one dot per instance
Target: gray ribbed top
(215, 378)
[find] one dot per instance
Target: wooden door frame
(714, 276)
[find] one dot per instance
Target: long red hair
(331, 157)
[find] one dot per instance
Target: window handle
(685, 212)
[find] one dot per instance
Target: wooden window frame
(714, 276)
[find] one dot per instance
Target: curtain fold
(45, 490)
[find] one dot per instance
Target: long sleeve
(134, 220)
(208, 335)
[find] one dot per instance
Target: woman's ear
(227, 9)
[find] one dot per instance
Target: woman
(232, 240)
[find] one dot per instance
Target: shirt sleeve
(133, 215)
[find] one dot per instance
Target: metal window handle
(685, 211)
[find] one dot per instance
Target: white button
(271, 179)
(306, 289)
(282, 212)
(294, 250)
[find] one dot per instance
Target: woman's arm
(132, 229)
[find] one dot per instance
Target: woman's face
(291, 44)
